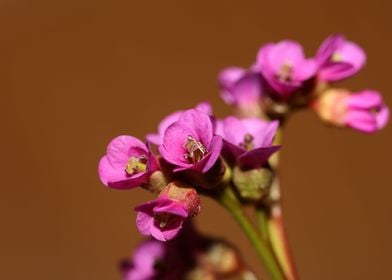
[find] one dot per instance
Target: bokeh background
(76, 73)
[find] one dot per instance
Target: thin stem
(262, 221)
(231, 203)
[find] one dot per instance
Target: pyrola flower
(284, 66)
(189, 143)
(128, 163)
(338, 59)
(363, 111)
(248, 141)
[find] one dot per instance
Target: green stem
(231, 203)
(262, 221)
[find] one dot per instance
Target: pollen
(195, 150)
(136, 165)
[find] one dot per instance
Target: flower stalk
(228, 199)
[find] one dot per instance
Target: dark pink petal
(327, 48)
(257, 157)
(214, 150)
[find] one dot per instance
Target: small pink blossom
(338, 59)
(364, 111)
(284, 67)
(190, 144)
(248, 142)
(161, 218)
(128, 163)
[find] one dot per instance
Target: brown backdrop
(75, 74)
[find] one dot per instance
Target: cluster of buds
(197, 154)
(282, 80)
(189, 256)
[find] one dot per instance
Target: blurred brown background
(75, 74)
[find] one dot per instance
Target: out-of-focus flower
(284, 67)
(145, 261)
(241, 88)
(157, 138)
(338, 59)
(190, 144)
(128, 163)
(248, 142)
(163, 217)
(363, 111)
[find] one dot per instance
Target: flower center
(285, 72)
(164, 219)
(136, 165)
(247, 144)
(195, 150)
(336, 57)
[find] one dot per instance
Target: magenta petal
(257, 157)
(174, 139)
(169, 206)
(167, 234)
(328, 46)
(204, 107)
(335, 72)
(366, 99)
(382, 117)
(118, 150)
(115, 177)
(201, 123)
(215, 150)
(144, 223)
(362, 121)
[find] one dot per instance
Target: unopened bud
(221, 259)
(252, 184)
(182, 192)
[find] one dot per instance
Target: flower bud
(252, 184)
(185, 194)
(363, 111)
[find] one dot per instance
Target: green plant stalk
(228, 199)
(262, 221)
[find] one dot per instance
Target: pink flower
(128, 163)
(248, 142)
(163, 217)
(144, 260)
(190, 144)
(240, 87)
(284, 67)
(338, 58)
(363, 111)
(157, 138)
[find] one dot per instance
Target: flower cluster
(196, 153)
(282, 80)
(233, 160)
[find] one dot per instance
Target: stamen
(285, 73)
(248, 142)
(195, 150)
(336, 57)
(136, 165)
